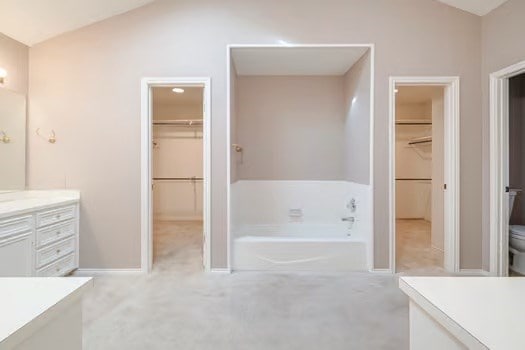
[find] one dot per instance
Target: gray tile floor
(178, 306)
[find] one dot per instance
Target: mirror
(12, 140)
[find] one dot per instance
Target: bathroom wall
(14, 58)
(356, 95)
(517, 146)
(290, 127)
(235, 157)
(502, 46)
(86, 85)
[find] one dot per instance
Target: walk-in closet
(177, 172)
(419, 154)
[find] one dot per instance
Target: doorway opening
(507, 93)
(175, 176)
(424, 172)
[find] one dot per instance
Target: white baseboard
(221, 270)
(473, 272)
(383, 271)
(105, 272)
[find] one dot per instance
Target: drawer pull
(57, 269)
(58, 251)
(58, 216)
(58, 233)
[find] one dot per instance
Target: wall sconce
(3, 75)
(4, 138)
(51, 138)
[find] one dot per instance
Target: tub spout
(348, 219)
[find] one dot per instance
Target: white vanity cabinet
(39, 236)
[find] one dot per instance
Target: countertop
(483, 312)
(26, 302)
(15, 203)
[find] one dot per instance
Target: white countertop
(489, 311)
(14, 203)
(24, 300)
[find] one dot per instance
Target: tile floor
(178, 306)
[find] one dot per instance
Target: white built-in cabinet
(42, 241)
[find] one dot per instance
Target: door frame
(499, 167)
(146, 165)
(451, 164)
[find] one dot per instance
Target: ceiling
(289, 60)
(33, 21)
(477, 7)
(418, 94)
(165, 96)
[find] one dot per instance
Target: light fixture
(3, 75)
(178, 90)
(396, 90)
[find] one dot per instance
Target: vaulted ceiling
(477, 7)
(33, 21)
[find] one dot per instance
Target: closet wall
(413, 197)
(177, 153)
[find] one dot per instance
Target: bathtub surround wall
(87, 82)
(290, 127)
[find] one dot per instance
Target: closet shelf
(179, 122)
(420, 140)
(413, 122)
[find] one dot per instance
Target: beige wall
(356, 95)
(290, 127)
(503, 31)
(86, 85)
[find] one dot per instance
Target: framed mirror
(12, 140)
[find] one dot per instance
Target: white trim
(145, 161)
(221, 270)
(473, 272)
(499, 167)
(229, 47)
(105, 272)
(381, 271)
(451, 165)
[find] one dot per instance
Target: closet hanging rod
(178, 178)
(408, 179)
(419, 142)
(187, 122)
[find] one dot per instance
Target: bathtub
(299, 247)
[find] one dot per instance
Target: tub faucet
(348, 219)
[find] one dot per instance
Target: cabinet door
(16, 256)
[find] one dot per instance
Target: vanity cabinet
(40, 242)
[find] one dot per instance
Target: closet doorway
(175, 175)
(424, 172)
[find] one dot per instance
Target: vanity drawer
(12, 226)
(55, 251)
(53, 216)
(58, 268)
(50, 234)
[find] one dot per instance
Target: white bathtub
(298, 247)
